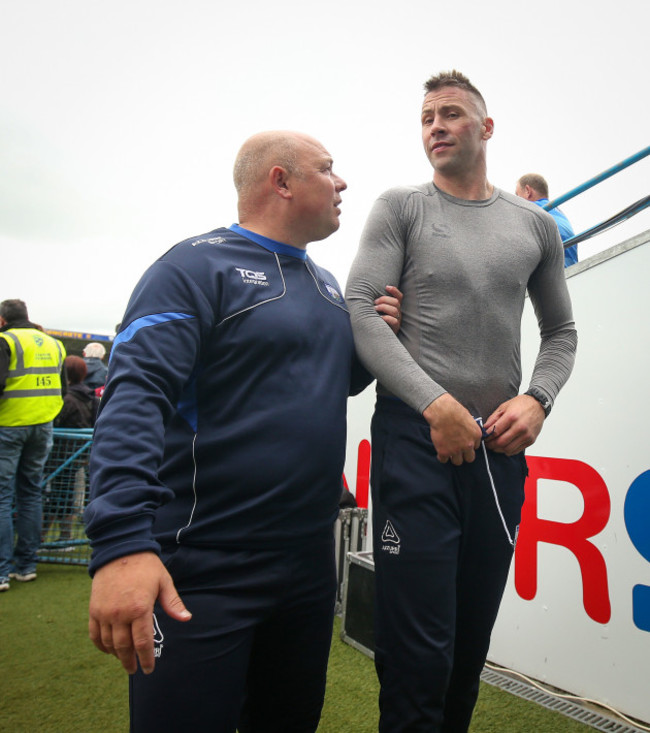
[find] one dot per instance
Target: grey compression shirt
(464, 268)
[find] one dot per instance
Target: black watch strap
(541, 398)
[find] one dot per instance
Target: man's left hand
(390, 307)
(514, 425)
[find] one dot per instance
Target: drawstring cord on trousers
(512, 541)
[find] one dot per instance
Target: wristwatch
(541, 398)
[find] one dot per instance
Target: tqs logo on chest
(250, 277)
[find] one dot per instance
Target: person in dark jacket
(79, 411)
(97, 370)
(217, 460)
(79, 403)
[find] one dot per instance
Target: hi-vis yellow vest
(32, 392)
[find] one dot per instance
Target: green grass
(55, 681)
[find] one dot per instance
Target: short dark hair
(13, 310)
(536, 182)
(75, 369)
(454, 78)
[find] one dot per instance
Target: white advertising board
(576, 611)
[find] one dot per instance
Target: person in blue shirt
(217, 460)
(534, 187)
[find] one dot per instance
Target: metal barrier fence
(65, 495)
(350, 535)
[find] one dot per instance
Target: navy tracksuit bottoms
(442, 555)
(254, 655)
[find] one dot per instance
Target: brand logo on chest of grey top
(441, 230)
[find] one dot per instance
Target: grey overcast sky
(120, 121)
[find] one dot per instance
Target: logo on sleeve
(250, 277)
(211, 240)
(391, 539)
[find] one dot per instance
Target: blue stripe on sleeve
(152, 320)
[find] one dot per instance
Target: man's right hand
(121, 608)
(454, 432)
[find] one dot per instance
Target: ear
(530, 194)
(488, 128)
(279, 179)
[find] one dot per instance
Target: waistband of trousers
(395, 406)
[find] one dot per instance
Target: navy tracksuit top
(223, 419)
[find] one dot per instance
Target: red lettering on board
(363, 475)
(574, 536)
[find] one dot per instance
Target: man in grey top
(450, 426)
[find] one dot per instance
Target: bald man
(217, 461)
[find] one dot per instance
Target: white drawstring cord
(479, 420)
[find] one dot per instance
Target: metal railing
(603, 226)
(65, 495)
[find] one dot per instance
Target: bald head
(287, 189)
(262, 152)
